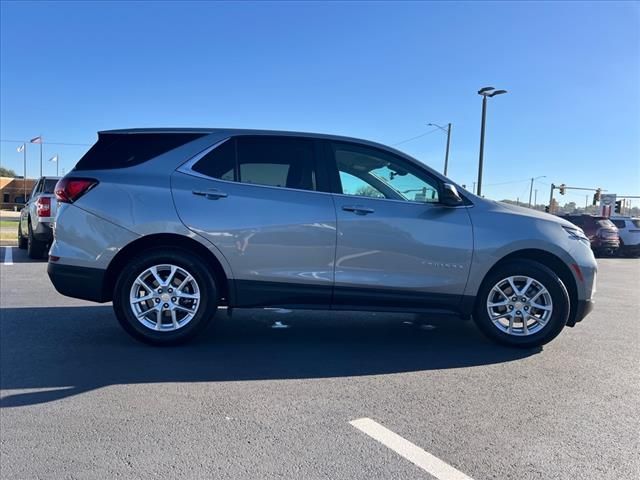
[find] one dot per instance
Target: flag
(54, 158)
(20, 148)
(36, 140)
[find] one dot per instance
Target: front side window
(287, 162)
(368, 172)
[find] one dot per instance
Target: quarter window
(262, 160)
(368, 172)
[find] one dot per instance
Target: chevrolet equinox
(169, 224)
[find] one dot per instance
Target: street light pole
(481, 159)
(484, 92)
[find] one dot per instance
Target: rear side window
(618, 223)
(263, 160)
(636, 222)
(121, 150)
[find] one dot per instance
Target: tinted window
(120, 150)
(49, 185)
(605, 223)
(277, 161)
(368, 172)
(219, 162)
(636, 222)
(618, 223)
(262, 160)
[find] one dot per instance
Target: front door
(397, 246)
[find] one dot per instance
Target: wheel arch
(550, 261)
(173, 241)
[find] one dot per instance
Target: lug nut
(171, 290)
(173, 299)
(524, 299)
(518, 312)
(526, 308)
(166, 305)
(159, 290)
(157, 300)
(510, 307)
(514, 299)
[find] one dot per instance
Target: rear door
(257, 199)
(397, 246)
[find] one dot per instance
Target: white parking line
(8, 256)
(432, 465)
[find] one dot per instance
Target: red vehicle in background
(601, 231)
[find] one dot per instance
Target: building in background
(12, 192)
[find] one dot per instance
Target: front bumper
(78, 282)
(583, 308)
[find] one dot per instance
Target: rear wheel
(522, 303)
(165, 296)
(35, 248)
(22, 240)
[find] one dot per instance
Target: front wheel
(523, 304)
(165, 296)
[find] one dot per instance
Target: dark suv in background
(601, 231)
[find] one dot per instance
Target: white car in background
(629, 231)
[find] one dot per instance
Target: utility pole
(448, 132)
(533, 179)
(474, 188)
(551, 198)
(446, 155)
(535, 197)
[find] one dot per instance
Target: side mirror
(450, 196)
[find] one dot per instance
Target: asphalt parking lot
(80, 399)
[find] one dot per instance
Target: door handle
(210, 194)
(357, 209)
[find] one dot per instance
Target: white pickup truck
(35, 230)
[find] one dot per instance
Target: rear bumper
(78, 282)
(43, 232)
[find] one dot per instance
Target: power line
(506, 183)
(50, 143)
(414, 138)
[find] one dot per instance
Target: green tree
(7, 172)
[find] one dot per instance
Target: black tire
(195, 266)
(35, 248)
(23, 241)
(549, 279)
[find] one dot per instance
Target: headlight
(576, 234)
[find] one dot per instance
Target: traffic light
(596, 197)
(546, 208)
(562, 189)
(618, 207)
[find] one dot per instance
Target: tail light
(68, 190)
(43, 206)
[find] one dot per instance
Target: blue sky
(380, 71)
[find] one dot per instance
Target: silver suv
(169, 224)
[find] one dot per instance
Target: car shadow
(65, 351)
